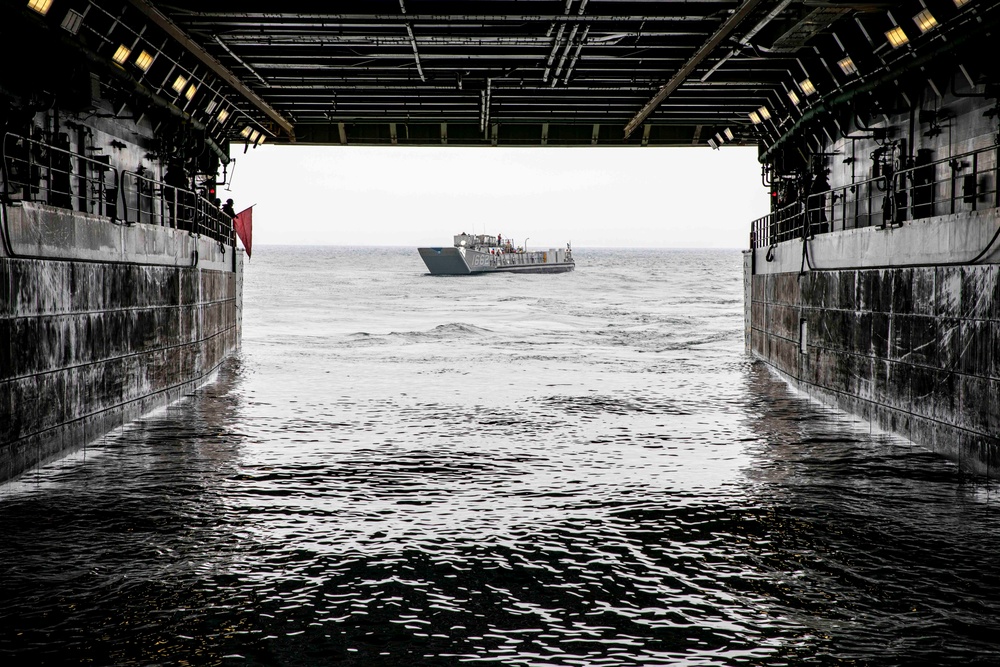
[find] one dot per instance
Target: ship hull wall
(444, 261)
(892, 325)
(456, 262)
(101, 323)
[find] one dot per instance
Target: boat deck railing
(524, 258)
(37, 171)
(150, 201)
(956, 184)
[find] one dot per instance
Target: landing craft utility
(481, 253)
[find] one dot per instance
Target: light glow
(179, 84)
(40, 6)
(896, 37)
(925, 20)
(190, 92)
(794, 97)
(245, 132)
(764, 113)
(122, 54)
(962, 3)
(754, 118)
(847, 66)
(144, 60)
(729, 134)
(807, 87)
(223, 115)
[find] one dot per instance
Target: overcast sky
(593, 197)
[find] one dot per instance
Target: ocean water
(553, 470)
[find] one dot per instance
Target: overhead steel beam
(684, 72)
(218, 68)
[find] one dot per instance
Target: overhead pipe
(416, 54)
(413, 43)
(555, 49)
(482, 110)
(562, 60)
(489, 101)
(240, 60)
(576, 56)
(569, 44)
(552, 26)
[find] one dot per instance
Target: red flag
(243, 223)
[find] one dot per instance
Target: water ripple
(543, 480)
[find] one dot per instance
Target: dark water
(579, 469)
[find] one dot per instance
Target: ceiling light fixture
(925, 20)
(121, 55)
(72, 21)
(807, 87)
(40, 6)
(896, 37)
(847, 66)
(144, 60)
(794, 97)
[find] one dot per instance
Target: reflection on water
(555, 470)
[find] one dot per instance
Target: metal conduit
(576, 56)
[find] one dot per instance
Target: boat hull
(450, 261)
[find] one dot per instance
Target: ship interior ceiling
(500, 72)
(802, 81)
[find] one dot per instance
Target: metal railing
(39, 172)
(54, 175)
(149, 201)
(524, 258)
(956, 184)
